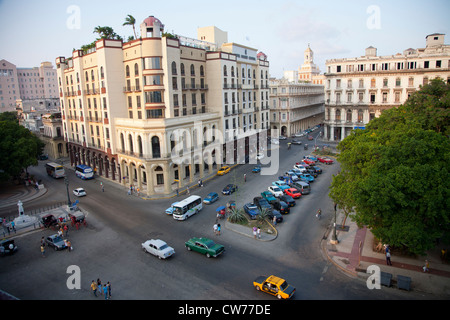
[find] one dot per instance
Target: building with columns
(359, 89)
(152, 112)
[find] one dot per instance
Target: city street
(109, 248)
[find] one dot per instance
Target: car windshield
(252, 207)
(276, 189)
(57, 239)
(164, 246)
(284, 285)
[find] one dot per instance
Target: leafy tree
(106, 33)
(130, 21)
(19, 149)
(394, 174)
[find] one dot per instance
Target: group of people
(217, 228)
(103, 289)
(257, 232)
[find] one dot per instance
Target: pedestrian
(105, 291)
(218, 229)
(274, 220)
(66, 230)
(109, 289)
(215, 228)
(69, 246)
(245, 177)
(187, 189)
(199, 183)
(388, 258)
(43, 250)
(60, 232)
(103, 187)
(42, 241)
(99, 285)
(426, 267)
(94, 287)
(13, 226)
(178, 193)
(258, 232)
(138, 191)
(255, 230)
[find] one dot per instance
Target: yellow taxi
(275, 286)
(223, 170)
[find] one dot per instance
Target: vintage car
(275, 286)
(7, 246)
(205, 246)
(229, 189)
(211, 197)
(325, 160)
(56, 242)
(223, 170)
(252, 210)
(158, 248)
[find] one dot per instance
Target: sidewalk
(354, 253)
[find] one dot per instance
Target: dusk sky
(34, 31)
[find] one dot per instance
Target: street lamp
(334, 239)
(66, 181)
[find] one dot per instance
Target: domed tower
(151, 28)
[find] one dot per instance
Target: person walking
(103, 188)
(255, 231)
(258, 232)
(99, 285)
(69, 245)
(426, 267)
(109, 289)
(105, 292)
(94, 287)
(215, 228)
(218, 229)
(43, 250)
(388, 258)
(187, 189)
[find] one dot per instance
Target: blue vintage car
(252, 210)
(256, 169)
(281, 184)
(211, 197)
(307, 177)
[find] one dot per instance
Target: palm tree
(130, 21)
(106, 33)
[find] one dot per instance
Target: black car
(49, 220)
(312, 172)
(281, 206)
(296, 141)
(288, 199)
(229, 189)
(262, 203)
(277, 214)
(316, 169)
(56, 242)
(7, 246)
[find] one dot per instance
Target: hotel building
(359, 89)
(156, 111)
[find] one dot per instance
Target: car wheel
(208, 255)
(145, 250)
(257, 288)
(278, 296)
(189, 248)
(56, 248)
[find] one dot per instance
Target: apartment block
(358, 89)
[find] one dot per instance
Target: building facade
(9, 86)
(150, 112)
(359, 89)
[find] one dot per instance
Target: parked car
(309, 161)
(300, 167)
(293, 192)
(211, 197)
(49, 220)
(312, 172)
(269, 196)
(280, 184)
(307, 177)
(275, 286)
(158, 248)
(281, 138)
(296, 141)
(311, 157)
(252, 210)
(302, 186)
(276, 191)
(79, 192)
(316, 169)
(325, 160)
(288, 199)
(281, 206)
(275, 213)
(223, 170)
(299, 134)
(170, 209)
(56, 242)
(229, 189)
(292, 175)
(262, 204)
(205, 246)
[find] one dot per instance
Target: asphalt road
(110, 247)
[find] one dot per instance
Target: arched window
(130, 142)
(136, 69)
(360, 115)
(127, 71)
(156, 150)
(174, 67)
(192, 70)
(202, 71)
(225, 70)
(140, 145)
(92, 75)
(122, 142)
(349, 115)
(182, 69)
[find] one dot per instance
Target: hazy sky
(32, 31)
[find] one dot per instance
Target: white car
(299, 134)
(79, 192)
(300, 167)
(158, 248)
(281, 138)
(276, 191)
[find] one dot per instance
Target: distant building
(9, 86)
(358, 89)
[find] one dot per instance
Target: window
(174, 68)
(398, 82)
(338, 68)
(154, 113)
(153, 97)
(426, 64)
(156, 150)
(438, 63)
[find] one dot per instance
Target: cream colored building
(149, 112)
(359, 89)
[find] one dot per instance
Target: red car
(293, 192)
(308, 161)
(325, 160)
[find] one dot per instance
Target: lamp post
(334, 239)
(66, 181)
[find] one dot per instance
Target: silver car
(158, 248)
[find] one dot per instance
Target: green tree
(394, 174)
(130, 21)
(19, 149)
(106, 33)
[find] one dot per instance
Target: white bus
(55, 170)
(84, 172)
(186, 208)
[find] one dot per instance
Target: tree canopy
(395, 173)
(19, 148)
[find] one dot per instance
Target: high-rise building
(156, 112)
(359, 89)
(9, 86)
